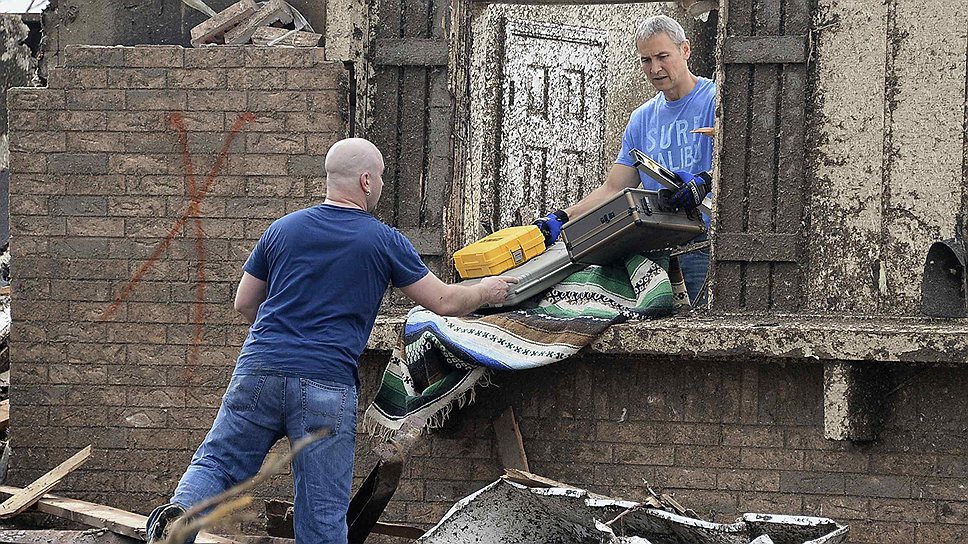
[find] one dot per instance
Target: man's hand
(494, 290)
(694, 188)
(550, 225)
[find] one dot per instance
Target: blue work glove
(694, 188)
(550, 225)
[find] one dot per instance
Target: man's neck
(343, 203)
(688, 85)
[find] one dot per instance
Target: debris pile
(273, 22)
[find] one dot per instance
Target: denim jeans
(257, 411)
(694, 266)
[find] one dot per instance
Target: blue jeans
(694, 266)
(257, 411)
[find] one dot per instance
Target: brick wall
(724, 437)
(125, 335)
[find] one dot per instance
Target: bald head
(354, 172)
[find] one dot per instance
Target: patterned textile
(438, 360)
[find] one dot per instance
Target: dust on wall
(16, 70)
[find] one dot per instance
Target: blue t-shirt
(327, 269)
(663, 130)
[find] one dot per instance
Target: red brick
(757, 481)
(37, 142)
(277, 101)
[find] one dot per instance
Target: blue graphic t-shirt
(663, 130)
(327, 269)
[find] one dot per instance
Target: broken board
(115, 520)
(30, 494)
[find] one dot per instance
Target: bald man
(311, 290)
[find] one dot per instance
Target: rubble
(514, 513)
(273, 22)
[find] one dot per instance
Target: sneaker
(160, 519)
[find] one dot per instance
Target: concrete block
(213, 29)
(854, 399)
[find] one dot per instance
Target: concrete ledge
(784, 337)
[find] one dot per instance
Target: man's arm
(249, 296)
(619, 177)
(457, 300)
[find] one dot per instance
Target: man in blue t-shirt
(663, 129)
(311, 290)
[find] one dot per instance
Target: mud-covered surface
(889, 156)
(772, 337)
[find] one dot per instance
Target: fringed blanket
(438, 360)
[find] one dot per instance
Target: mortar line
(425, 147)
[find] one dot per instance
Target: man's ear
(365, 182)
(686, 49)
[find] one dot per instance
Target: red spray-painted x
(196, 193)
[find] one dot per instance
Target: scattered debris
(510, 512)
(510, 446)
(115, 520)
(213, 30)
(29, 495)
(273, 22)
(270, 35)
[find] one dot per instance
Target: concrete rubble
(513, 513)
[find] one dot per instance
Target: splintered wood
(246, 22)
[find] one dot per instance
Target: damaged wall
(890, 150)
(725, 437)
(141, 179)
(149, 22)
(579, 71)
(16, 70)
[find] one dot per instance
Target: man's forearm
(461, 300)
(591, 200)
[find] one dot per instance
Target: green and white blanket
(438, 360)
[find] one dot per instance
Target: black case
(631, 221)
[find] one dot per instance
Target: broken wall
(723, 436)
(889, 151)
(149, 22)
(552, 89)
(16, 70)
(141, 179)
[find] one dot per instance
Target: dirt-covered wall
(15, 71)
(889, 149)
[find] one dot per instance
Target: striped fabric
(438, 360)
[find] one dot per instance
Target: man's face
(664, 62)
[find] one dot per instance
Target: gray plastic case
(629, 222)
(536, 275)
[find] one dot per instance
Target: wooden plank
(758, 246)
(92, 514)
(272, 11)
(787, 287)
(410, 52)
(383, 133)
(4, 414)
(765, 49)
(569, 2)
(510, 446)
(212, 29)
(439, 164)
(727, 284)
(397, 529)
(299, 38)
(53, 536)
(412, 133)
(32, 493)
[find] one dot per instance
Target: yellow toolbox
(499, 252)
